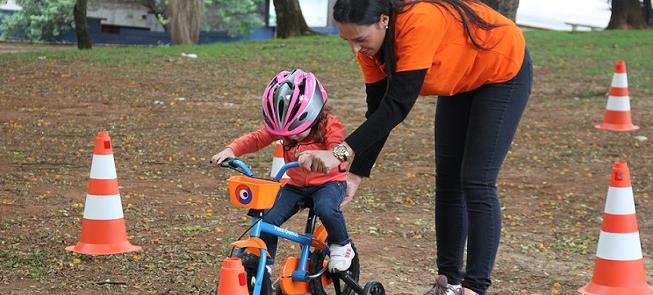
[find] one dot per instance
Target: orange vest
(431, 37)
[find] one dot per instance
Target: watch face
(341, 152)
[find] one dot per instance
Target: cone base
(103, 249)
(617, 127)
(596, 289)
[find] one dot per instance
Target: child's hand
(221, 156)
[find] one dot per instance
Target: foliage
(158, 7)
(39, 19)
(237, 17)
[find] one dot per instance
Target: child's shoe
(340, 257)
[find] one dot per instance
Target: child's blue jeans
(325, 200)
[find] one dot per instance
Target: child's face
(301, 136)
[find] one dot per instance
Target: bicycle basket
(252, 193)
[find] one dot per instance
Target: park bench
(575, 26)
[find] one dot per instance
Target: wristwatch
(340, 151)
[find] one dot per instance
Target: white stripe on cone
(276, 165)
(103, 167)
(619, 247)
(618, 103)
(620, 80)
(620, 201)
(103, 207)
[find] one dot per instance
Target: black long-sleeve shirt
(383, 114)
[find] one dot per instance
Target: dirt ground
(167, 118)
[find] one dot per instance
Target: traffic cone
(619, 266)
(233, 278)
(278, 161)
(617, 114)
(103, 225)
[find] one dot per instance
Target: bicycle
(303, 275)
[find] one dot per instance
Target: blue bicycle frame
(259, 226)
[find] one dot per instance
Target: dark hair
(319, 128)
(367, 12)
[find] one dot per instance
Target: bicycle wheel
(318, 261)
(250, 262)
(373, 288)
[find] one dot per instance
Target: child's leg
(326, 203)
(284, 207)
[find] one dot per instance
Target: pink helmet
(291, 102)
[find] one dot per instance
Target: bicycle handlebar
(285, 168)
(235, 163)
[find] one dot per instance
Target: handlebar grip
(227, 162)
(238, 165)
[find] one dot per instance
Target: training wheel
(373, 288)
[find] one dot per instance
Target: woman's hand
(353, 181)
(221, 156)
(318, 161)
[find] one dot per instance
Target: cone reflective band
(619, 265)
(617, 112)
(103, 224)
(278, 161)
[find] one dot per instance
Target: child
(293, 107)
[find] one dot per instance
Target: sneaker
(340, 257)
(442, 287)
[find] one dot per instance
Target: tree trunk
(81, 27)
(185, 20)
(648, 12)
(330, 20)
(626, 14)
(290, 20)
(506, 7)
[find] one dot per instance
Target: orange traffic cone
(232, 279)
(278, 161)
(619, 266)
(103, 225)
(617, 114)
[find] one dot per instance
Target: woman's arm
(363, 162)
(394, 107)
(402, 93)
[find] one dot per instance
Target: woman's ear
(384, 21)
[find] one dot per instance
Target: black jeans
(473, 133)
(325, 200)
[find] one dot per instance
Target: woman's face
(366, 39)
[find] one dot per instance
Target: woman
(476, 61)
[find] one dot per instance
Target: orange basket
(252, 193)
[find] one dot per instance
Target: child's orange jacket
(334, 134)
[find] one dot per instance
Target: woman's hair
(317, 130)
(367, 12)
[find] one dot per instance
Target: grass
(304, 48)
(571, 54)
(566, 53)
(36, 263)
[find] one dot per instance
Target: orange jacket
(431, 37)
(333, 135)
